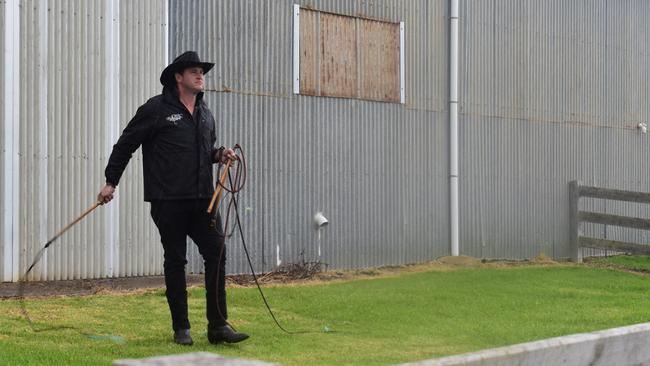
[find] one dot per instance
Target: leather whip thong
(37, 258)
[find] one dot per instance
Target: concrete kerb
(617, 346)
(190, 359)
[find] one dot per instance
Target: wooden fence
(577, 217)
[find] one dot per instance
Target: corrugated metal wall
(34, 162)
(85, 67)
(551, 91)
(143, 55)
(377, 171)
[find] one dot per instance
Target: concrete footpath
(612, 347)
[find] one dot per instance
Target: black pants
(177, 219)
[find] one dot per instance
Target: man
(177, 133)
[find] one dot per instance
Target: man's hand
(228, 154)
(106, 194)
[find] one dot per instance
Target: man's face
(191, 79)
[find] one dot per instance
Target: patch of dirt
(292, 274)
(542, 258)
(283, 274)
(461, 260)
(125, 285)
(597, 262)
(443, 264)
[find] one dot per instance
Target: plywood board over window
(309, 37)
(338, 57)
(348, 57)
(379, 61)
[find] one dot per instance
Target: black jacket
(178, 148)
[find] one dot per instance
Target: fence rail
(577, 217)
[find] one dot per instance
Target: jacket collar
(170, 95)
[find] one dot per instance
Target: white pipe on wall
(453, 128)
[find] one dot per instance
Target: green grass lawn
(378, 321)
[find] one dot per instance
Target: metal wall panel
(307, 156)
(11, 125)
(32, 134)
(143, 56)
(389, 10)
(551, 91)
(72, 123)
(377, 171)
(72, 82)
(2, 137)
(251, 26)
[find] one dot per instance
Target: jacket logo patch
(174, 118)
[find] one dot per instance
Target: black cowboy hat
(182, 62)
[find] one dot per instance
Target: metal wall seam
(42, 146)
(55, 35)
(11, 121)
(166, 30)
(128, 191)
(112, 81)
(2, 138)
(28, 77)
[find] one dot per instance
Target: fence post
(574, 222)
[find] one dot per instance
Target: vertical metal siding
(75, 119)
(31, 140)
(2, 134)
(551, 92)
(379, 9)
(142, 59)
(377, 171)
(427, 64)
(63, 149)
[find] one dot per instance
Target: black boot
(182, 336)
(225, 334)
